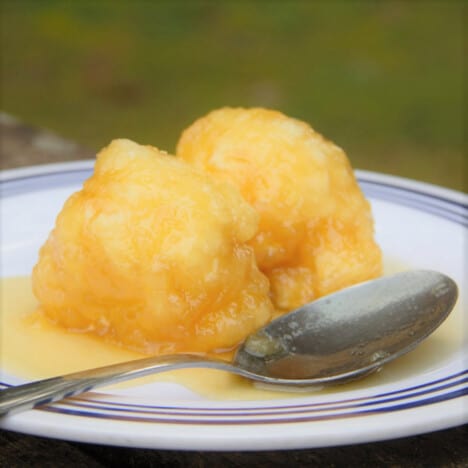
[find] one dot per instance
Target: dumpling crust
(316, 230)
(153, 255)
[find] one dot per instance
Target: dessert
(164, 254)
(153, 255)
(316, 229)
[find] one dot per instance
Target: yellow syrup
(32, 347)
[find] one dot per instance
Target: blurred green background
(383, 79)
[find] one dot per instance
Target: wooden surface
(22, 145)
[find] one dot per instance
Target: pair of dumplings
(257, 213)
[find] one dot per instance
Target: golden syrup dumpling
(152, 255)
(316, 229)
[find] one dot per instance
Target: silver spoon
(337, 338)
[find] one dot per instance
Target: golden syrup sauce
(32, 347)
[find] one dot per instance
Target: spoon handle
(42, 392)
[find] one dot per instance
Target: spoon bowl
(340, 337)
(352, 332)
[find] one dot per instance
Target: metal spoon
(337, 338)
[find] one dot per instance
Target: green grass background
(383, 79)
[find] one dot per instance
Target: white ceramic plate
(418, 225)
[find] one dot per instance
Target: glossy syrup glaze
(33, 348)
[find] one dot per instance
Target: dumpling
(316, 228)
(153, 255)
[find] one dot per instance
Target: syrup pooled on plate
(30, 344)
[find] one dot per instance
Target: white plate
(418, 224)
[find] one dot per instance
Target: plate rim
(29, 423)
(457, 196)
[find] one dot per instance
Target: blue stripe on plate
(414, 191)
(448, 209)
(373, 398)
(227, 420)
(402, 392)
(44, 181)
(423, 390)
(265, 411)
